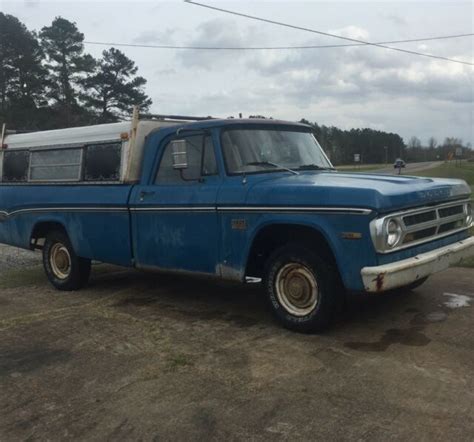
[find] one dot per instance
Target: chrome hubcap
(60, 261)
(297, 289)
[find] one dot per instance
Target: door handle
(144, 194)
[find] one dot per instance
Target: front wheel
(64, 269)
(302, 288)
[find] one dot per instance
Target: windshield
(258, 150)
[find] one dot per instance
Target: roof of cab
(244, 121)
(226, 122)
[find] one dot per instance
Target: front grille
(433, 222)
(450, 211)
(419, 218)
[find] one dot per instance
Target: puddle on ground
(413, 336)
(436, 317)
(457, 301)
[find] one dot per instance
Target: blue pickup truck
(230, 198)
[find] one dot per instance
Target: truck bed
(97, 220)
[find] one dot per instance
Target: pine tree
(114, 88)
(68, 66)
(22, 76)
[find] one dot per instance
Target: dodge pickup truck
(230, 198)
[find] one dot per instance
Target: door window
(201, 162)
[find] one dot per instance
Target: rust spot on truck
(379, 280)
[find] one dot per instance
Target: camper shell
(101, 153)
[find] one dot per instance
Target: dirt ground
(152, 357)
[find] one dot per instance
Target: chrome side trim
(272, 209)
(350, 210)
(64, 209)
(173, 209)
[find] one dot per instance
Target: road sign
(458, 152)
(357, 158)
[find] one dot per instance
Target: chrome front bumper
(406, 271)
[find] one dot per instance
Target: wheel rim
(297, 289)
(60, 261)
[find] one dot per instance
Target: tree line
(377, 147)
(48, 81)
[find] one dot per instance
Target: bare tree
(432, 143)
(414, 143)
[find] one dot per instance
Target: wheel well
(274, 236)
(41, 230)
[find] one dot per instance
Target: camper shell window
(15, 166)
(97, 162)
(56, 165)
(102, 162)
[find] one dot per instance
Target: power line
(327, 34)
(259, 48)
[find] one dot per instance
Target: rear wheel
(64, 269)
(302, 288)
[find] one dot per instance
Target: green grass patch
(179, 361)
(463, 171)
(469, 263)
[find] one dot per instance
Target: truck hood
(383, 193)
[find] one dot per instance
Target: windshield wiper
(314, 167)
(268, 163)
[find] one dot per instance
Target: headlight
(468, 214)
(394, 233)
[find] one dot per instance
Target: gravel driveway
(11, 257)
(137, 356)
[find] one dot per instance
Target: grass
(179, 361)
(469, 263)
(464, 171)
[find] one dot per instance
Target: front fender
(350, 254)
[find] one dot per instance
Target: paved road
(142, 357)
(410, 169)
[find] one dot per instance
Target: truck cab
(240, 200)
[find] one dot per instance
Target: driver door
(175, 217)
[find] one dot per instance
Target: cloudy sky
(345, 87)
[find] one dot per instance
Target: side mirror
(180, 154)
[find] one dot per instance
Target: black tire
(416, 284)
(407, 288)
(64, 269)
(302, 315)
